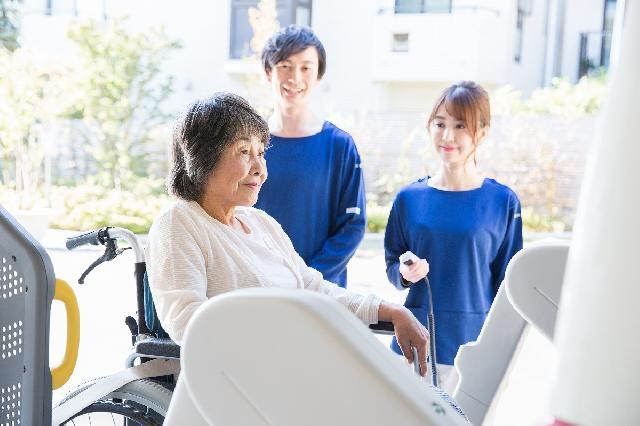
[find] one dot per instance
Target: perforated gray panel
(26, 289)
(11, 284)
(10, 402)
(11, 340)
(12, 304)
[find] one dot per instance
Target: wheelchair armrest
(382, 327)
(154, 347)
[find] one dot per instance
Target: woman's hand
(409, 332)
(414, 272)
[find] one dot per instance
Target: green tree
(263, 20)
(123, 90)
(31, 97)
(560, 98)
(9, 24)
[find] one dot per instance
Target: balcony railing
(453, 8)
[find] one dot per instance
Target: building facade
(383, 55)
(387, 60)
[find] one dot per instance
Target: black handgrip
(94, 238)
(383, 327)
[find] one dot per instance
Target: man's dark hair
(202, 134)
(289, 41)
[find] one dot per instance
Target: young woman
(463, 226)
(315, 188)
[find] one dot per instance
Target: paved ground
(108, 296)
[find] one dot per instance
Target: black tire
(130, 414)
(142, 402)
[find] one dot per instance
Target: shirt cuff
(368, 311)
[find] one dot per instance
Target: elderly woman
(211, 240)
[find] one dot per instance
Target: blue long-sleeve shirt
(468, 238)
(315, 190)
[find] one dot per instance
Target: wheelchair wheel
(142, 402)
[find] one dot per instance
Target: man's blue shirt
(315, 190)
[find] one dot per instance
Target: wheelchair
(140, 394)
(27, 287)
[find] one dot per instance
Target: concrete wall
(528, 74)
(203, 29)
(345, 29)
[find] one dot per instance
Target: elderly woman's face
(238, 176)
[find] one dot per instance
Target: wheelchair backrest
(150, 314)
(27, 284)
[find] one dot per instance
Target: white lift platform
(291, 357)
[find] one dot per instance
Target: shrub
(534, 222)
(377, 215)
(88, 206)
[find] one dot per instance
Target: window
(524, 10)
(607, 30)
(57, 7)
(400, 42)
(423, 6)
(517, 43)
(289, 12)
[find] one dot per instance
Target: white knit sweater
(192, 257)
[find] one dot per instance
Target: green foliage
(31, 97)
(9, 24)
(537, 147)
(90, 206)
(263, 20)
(561, 98)
(534, 222)
(377, 215)
(122, 91)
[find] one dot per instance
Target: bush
(377, 217)
(88, 206)
(534, 222)
(561, 98)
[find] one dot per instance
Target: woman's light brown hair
(468, 102)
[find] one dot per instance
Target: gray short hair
(202, 133)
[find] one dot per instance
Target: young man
(315, 188)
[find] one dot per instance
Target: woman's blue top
(468, 238)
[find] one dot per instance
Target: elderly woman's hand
(409, 332)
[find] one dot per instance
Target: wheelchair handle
(103, 235)
(93, 238)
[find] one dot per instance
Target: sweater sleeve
(364, 307)
(394, 245)
(350, 221)
(511, 244)
(177, 272)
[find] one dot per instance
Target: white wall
(345, 28)
(442, 47)
(467, 45)
(530, 72)
(203, 29)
